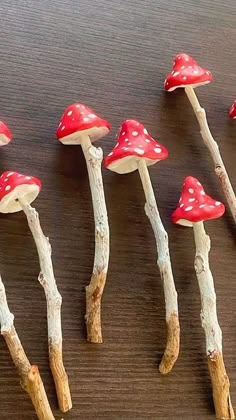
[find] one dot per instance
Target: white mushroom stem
(30, 378)
(219, 378)
(54, 301)
(173, 330)
(213, 147)
(94, 290)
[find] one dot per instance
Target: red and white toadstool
(17, 192)
(29, 374)
(232, 111)
(5, 134)
(80, 125)
(136, 149)
(188, 74)
(195, 207)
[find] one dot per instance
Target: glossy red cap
(14, 186)
(134, 143)
(78, 121)
(195, 205)
(232, 111)
(186, 72)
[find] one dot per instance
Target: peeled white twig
(219, 378)
(31, 381)
(54, 301)
(94, 290)
(173, 330)
(213, 147)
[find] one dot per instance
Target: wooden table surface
(113, 56)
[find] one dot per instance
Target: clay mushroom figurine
(30, 378)
(80, 125)
(5, 134)
(136, 149)
(188, 74)
(17, 192)
(232, 111)
(195, 207)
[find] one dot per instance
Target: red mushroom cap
(78, 121)
(186, 72)
(134, 143)
(195, 205)
(232, 111)
(5, 134)
(14, 186)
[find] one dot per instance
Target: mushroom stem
(213, 147)
(219, 378)
(173, 330)
(94, 290)
(31, 381)
(54, 301)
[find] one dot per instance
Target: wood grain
(114, 55)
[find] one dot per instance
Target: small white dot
(179, 57)
(134, 133)
(117, 144)
(201, 206)
(147, 141)
(8, 187)
(86, 119)
(182, 67)
(92, 115)
(172, 72)
(182, 205)
(123, 133)
(212, 206)
(6, 179)
(191, 190)
(10, 174)
(157, 150)
(207, 72)
(184, 77)
(28, 177)
(69, 113)
(129, 144)
(139, 151)
(60, 124)
(78, 106)
(195, 71)
(202, 192)
(190, 67)
(186, 59)
(176, 73)
(198, 183)
(145, 131)
(125, 148)
(217, 203)
(191, 200)
(126, 139)
(180, 199)
(110, 154)
(188, 208)
(63, 128)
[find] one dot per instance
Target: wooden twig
(173, 330)
(54, 301)
(219, 378)
(213, 147)
(30, 378)
(94, 290)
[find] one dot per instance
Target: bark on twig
(54, 301)
(219, 378)
(213, 147)
(94, 290)
(30, 378)
(173, 330)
